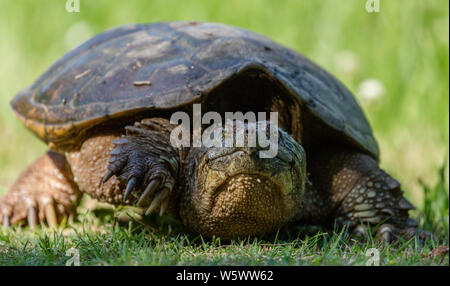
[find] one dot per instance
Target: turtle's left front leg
(361, 194)
(146, 161)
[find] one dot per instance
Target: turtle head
(239, 192)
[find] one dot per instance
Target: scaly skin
(44, 191)
(226, 192)
(235, 193)
(359, 193)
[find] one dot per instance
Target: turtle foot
(45, 191)
(144, 159)
(389, 233)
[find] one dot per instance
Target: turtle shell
(167, 65)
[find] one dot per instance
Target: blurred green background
(395, 61)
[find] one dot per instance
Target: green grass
(114, 245)
(405, 47)
(119, 247)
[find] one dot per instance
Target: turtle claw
(31, 218)
(130, 187)
(385, 233)
(32, 209)
(360, 231)
(108, 176)
(157, 200)
(149, 190)
(50, 215)
(5, 221)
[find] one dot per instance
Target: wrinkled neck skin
(231, 192)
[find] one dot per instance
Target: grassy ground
(118, 247)
(404, 48)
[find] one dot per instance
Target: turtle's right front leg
(146, 161)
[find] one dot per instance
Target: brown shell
(108, 76)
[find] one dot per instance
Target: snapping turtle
(104, 111)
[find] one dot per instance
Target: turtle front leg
(44, 191)
(362, 194)
(146, 161)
